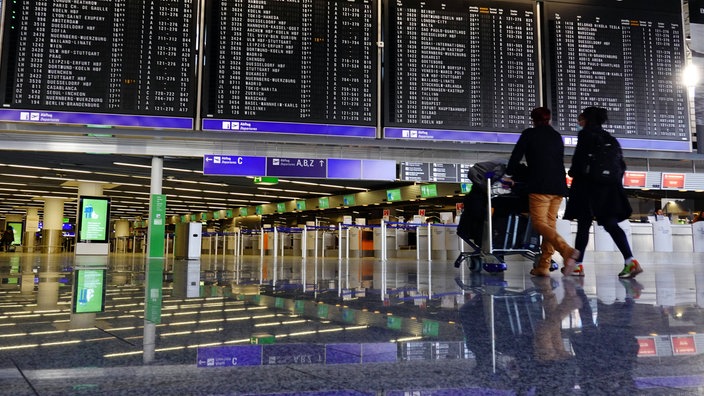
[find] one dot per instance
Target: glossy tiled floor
(435, 330)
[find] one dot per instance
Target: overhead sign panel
(314, 168)
(232, 165)
(296, 167)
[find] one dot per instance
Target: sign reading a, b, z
(297, 167)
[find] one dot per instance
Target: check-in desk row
(657, 236)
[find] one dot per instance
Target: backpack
(606, 163)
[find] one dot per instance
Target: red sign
(386, 213)
(569, 181)
(459, 206)
(673, 180)
(421, 212)
(683, 345)
(634, 179)
(646, 347)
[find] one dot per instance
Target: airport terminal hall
(351, 197)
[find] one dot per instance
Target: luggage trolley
(493, 223)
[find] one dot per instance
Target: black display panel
(460, 66)
(303, 66)
(628, 60)
(107, 62)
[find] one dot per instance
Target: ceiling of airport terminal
(27, 177)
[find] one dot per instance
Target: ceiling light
(71, 170)
(27, 167)
(302, 182)
(24, 176)
(178, 170)
(131, 165)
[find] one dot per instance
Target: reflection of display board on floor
(88, 290)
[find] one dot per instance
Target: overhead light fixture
(132, 165)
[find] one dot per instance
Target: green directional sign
(429, 190)
(157, 225)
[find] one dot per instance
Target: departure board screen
(628, 61)
(291, 66)
(462, 70)
(110, 62)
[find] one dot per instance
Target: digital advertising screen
(461, 70)
(17, 231)
(627, 57)
(125, 63)
(93, 219)
(89, 290)
(307, 67)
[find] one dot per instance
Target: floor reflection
(501, 333)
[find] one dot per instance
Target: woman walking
(592, 196)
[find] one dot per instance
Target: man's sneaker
(630, 270)
(578, 270)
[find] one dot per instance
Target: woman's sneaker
(630, 270)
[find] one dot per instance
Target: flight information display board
(107, 62)
(294, 66)
(462, 70)
(627, 60)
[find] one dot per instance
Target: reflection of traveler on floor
(548, 343)
(8, 237)
(605, 201)
(606, 352)
(543, 149)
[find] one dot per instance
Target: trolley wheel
(495, 267)
(475, 263)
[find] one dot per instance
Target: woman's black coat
(588, 199)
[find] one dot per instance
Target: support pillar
(31, 227)
(53, 223)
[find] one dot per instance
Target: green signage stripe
(157, 225)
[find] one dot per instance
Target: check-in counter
(390, 243)
(662, 236)
(422, 245)
(642, 234)
(603, 241)
(453, 243)
(698, 237)
(437, 240)
(682, 238)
